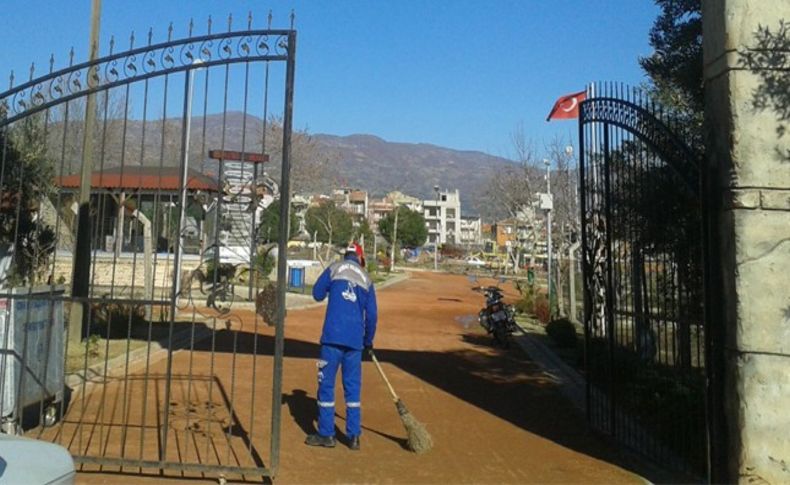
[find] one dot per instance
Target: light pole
(548, 225)
(190, 77)
(438, 231)
(569, 153)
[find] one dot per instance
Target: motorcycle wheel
(501, 336)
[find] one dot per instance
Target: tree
(269, 227)
(675, 67)
(412, 231)
(511, 190)
(661, 225)
(565, 211)
(362, 231)
(330, 224)
(311, 167)
(26, 183)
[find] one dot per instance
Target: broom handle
(383, 376)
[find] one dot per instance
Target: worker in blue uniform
(349, 329)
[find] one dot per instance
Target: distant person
(349, 328)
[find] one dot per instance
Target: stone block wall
(747, 87)
(125, 272)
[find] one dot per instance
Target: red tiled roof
(357, 196)
(142, 178)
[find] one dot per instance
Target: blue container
(296, 277)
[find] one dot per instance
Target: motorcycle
(497, 317)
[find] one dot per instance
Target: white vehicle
(23, 460)
(474, 261)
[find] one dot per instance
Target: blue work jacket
(351, 314)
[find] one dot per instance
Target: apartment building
(443, 217)
(471, 231)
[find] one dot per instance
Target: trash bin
(296, 278)
(31, 352)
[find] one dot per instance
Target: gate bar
(171, 465)
(285, 210)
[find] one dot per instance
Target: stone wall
(747, 89)
(125, 271)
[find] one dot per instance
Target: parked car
(475, 262)
(23, 460)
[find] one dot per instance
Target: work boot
(318, 440)
(353, 443)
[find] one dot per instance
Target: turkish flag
(567, 107)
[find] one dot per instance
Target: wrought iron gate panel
(164, 358)
(642, 263)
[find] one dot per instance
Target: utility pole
(394, 240)
(548, 227)
(82, 252)
(438, 231)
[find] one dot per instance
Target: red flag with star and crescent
(567, 107)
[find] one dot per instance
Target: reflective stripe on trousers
(350, 361)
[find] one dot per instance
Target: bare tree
(566, 210)
(312, 168)
(512, 191)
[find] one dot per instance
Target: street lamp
(548, 224)
(569, 154)
(438, 231)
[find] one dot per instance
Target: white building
(471, 231)
(353, 201)
(443, 217)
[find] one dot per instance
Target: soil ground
(494, 416)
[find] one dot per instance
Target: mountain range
(381, 166)
(357, 161)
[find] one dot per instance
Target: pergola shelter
(152, 190)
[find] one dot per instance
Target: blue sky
(456, 73)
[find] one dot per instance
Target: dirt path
(494, 416)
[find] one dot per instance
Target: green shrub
(541, 308)
(226, 270)
(264, 264)
(527, 302)
(563, 332)
(113, 319)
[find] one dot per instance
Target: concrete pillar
(747, 89)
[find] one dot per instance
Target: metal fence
(642, 254)
(139, 325)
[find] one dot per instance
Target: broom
(419, 440)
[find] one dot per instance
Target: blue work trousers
(350, 360)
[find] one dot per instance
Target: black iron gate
(134, 297)
(643, 272)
